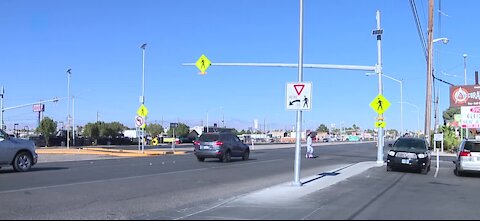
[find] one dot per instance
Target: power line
(419, 28)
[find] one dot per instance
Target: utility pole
(428, 100)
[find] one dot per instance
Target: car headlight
(391, 153)
(421, 155)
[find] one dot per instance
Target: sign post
(380, 104)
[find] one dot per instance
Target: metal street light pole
(380, 87)
(142, 99)
(296, 181)
(69, 73)
(1, 107)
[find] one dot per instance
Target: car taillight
(219, 143)
(196, 143)
(465, 154)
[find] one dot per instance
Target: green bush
(450, 139)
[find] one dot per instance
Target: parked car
(221, 145)
(19, 153)
(468, 157)
(327, 139)
(409, 153)
(186, 139)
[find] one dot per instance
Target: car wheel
(389, 168)
(201, 159)
(456, 172)
(226, 157)
(246, 154)
(22, 162)
(424, 170)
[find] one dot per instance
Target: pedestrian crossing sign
(203, 63)
(380, 104)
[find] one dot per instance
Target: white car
(18, 153)
(468, 157)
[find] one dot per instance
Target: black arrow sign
(291, 102)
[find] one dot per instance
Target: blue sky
(100, 41)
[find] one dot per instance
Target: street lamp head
(69, 71)
(143, 46)
(444, 40)
(464, 55)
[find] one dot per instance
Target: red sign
(38, 107)
(299, 88)
(465, 95)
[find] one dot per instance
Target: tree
(154, 129)
(322, 128)
(92, 130)
(448, 115)
(114, 129)
(181, 131)
(47, 128)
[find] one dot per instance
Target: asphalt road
(180, 187)
(161, 187)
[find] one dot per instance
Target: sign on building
(470, 116)
(465, 95)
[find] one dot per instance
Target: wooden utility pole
(428, 100)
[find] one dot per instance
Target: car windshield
(409, 144)
(209, 137)
(472, 146)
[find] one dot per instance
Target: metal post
(380, 90)
(401, 106)
(1, 107)
(73, 119)
(296, 180)
(68, 116)
(143, 73)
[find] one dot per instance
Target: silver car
(16, 152)
(468, 157)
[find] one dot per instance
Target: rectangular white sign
(470, 116)
(299, 96)
(438, 137)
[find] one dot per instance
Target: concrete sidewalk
(281, 202)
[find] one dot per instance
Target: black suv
(409, 153)
(221, 145)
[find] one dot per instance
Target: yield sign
(299, 88)
(299, 96)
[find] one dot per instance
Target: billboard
(470, 116)
(38, 107)
(465, 95)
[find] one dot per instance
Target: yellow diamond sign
(203, 63)
(381, 124)
(380, 104)
(142, 111)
